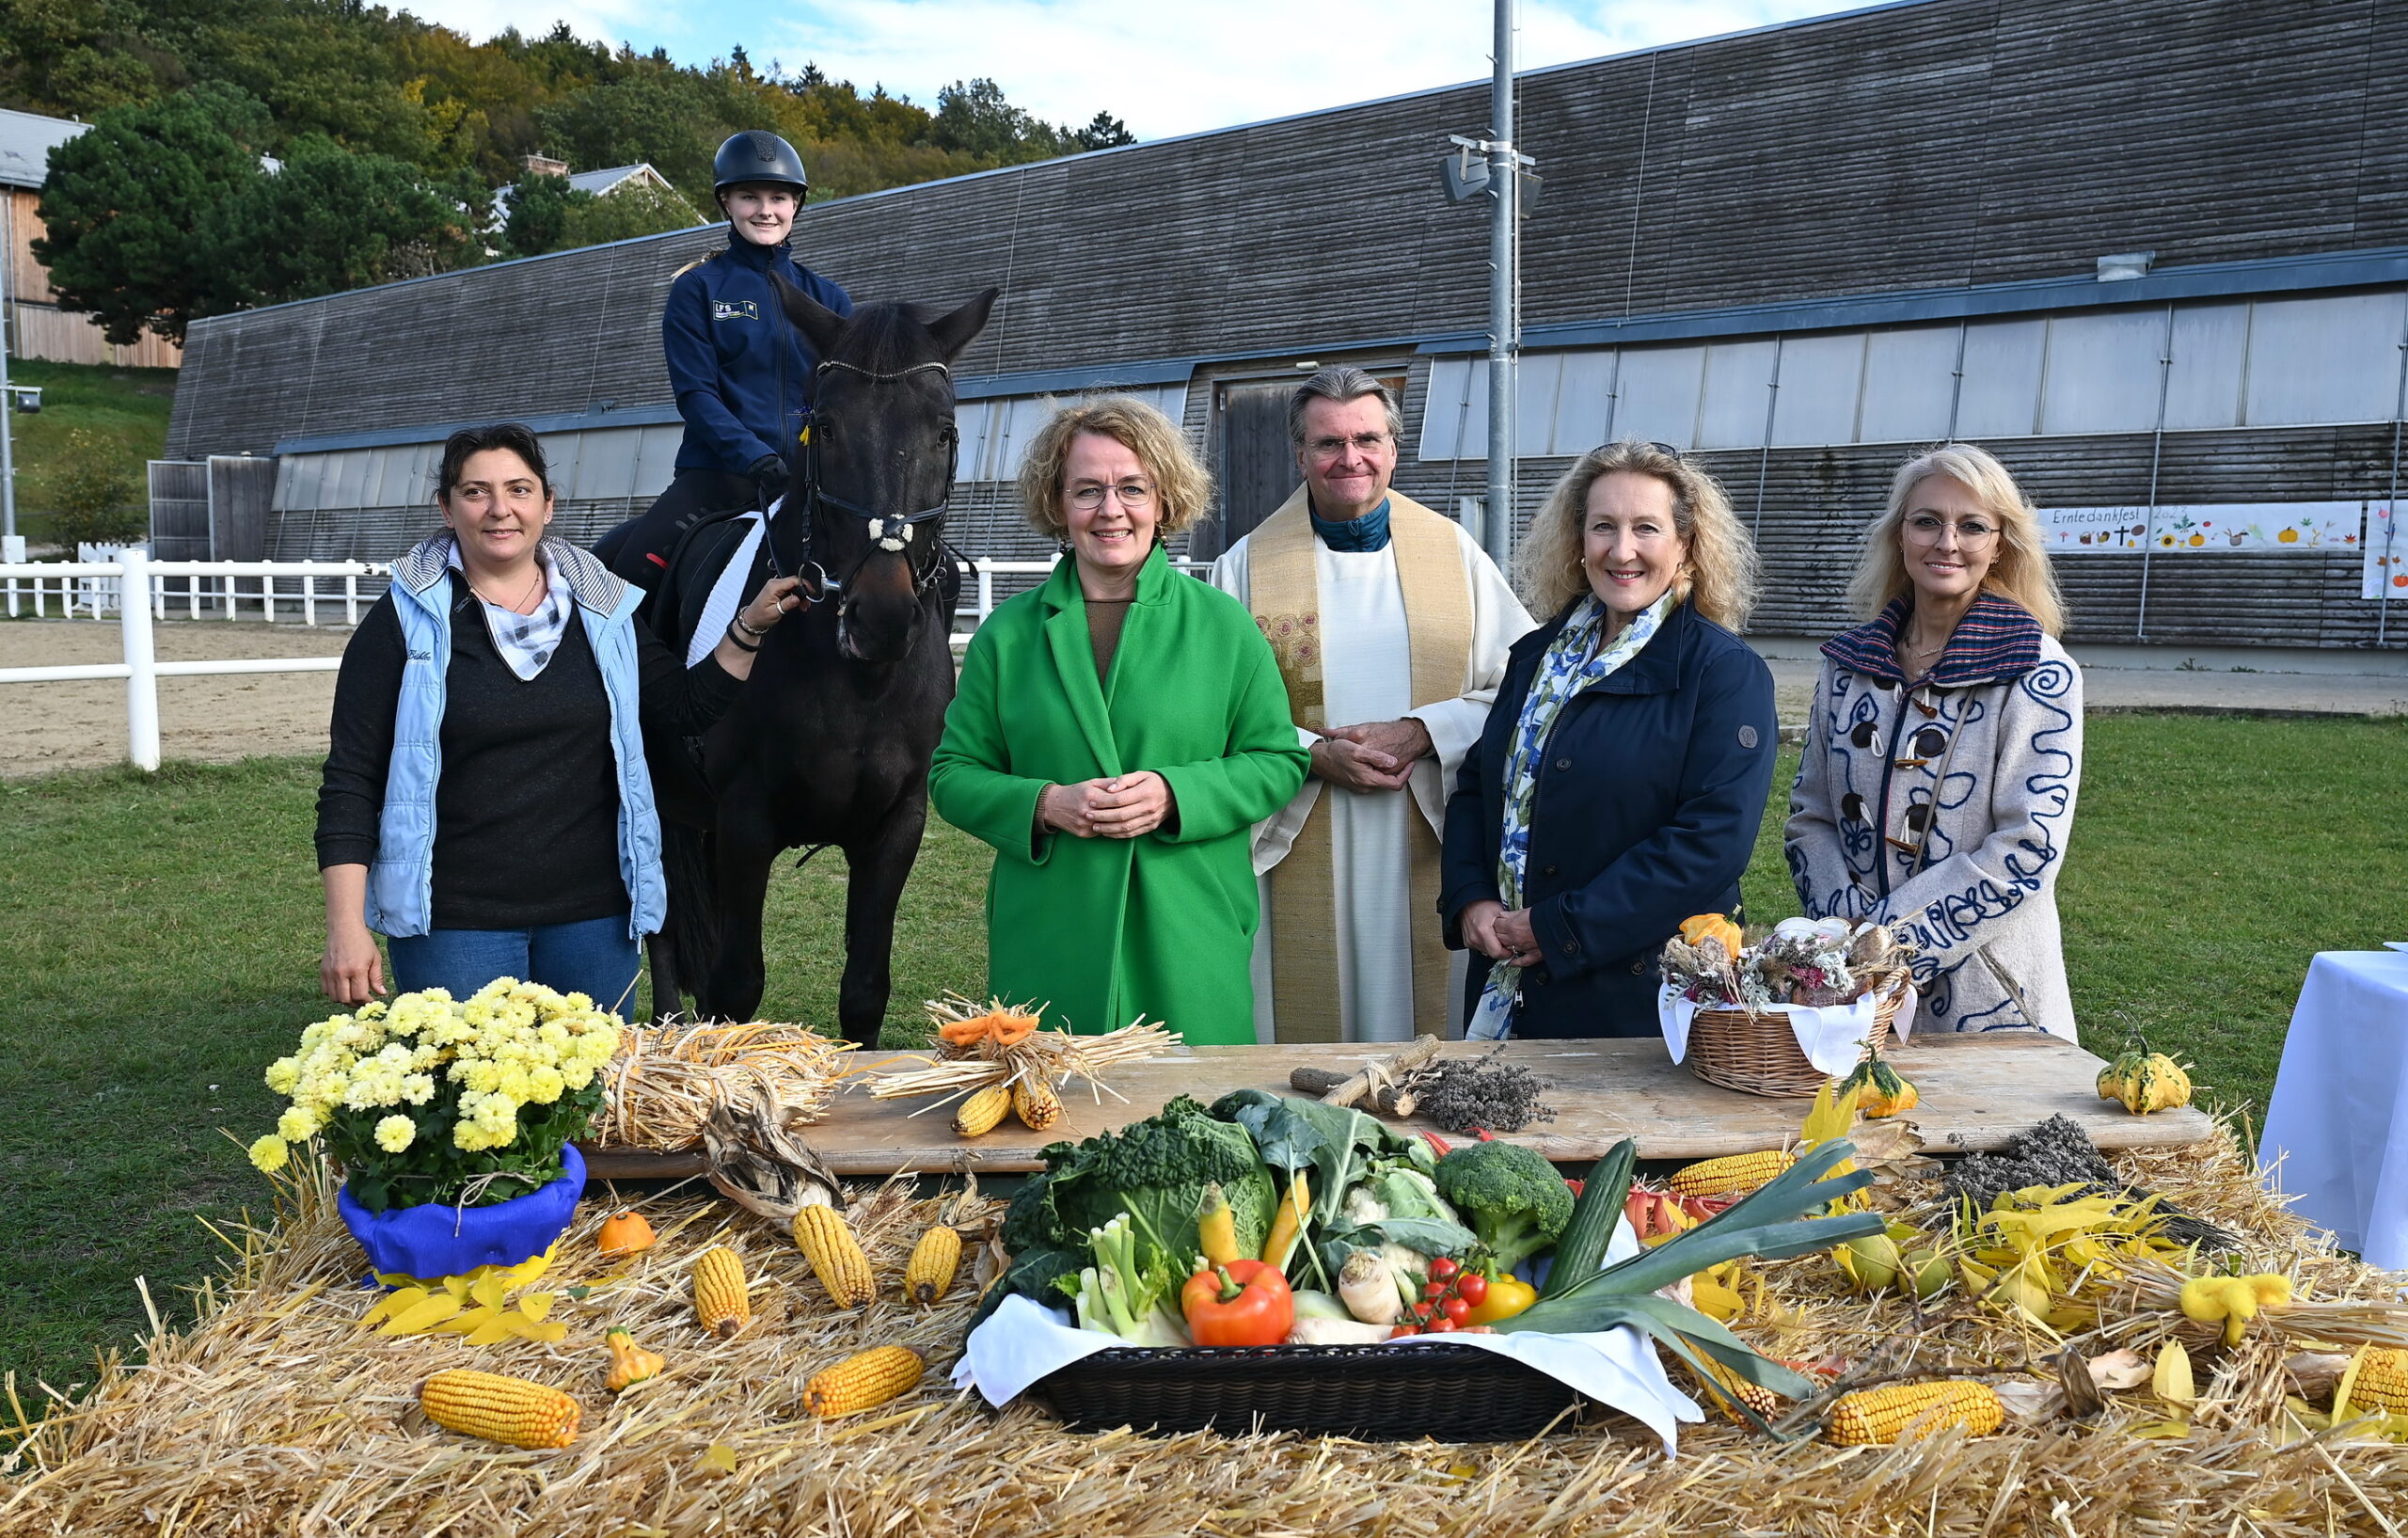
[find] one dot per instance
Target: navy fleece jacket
(741, 371)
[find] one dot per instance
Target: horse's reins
(887, 531)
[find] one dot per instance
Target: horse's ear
(953, 332)
(818, 324)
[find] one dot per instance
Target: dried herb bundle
(1467, 1094)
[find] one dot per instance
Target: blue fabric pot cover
(437, 1241)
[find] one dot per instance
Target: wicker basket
(1757, 1054)
(1377, 1393)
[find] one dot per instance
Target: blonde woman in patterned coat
(1945, 749)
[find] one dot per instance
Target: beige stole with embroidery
(1283, 588)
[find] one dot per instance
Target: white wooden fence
(280, 591)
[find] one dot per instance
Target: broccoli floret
(1512, 1197)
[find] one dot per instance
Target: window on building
(1821, 376)
(2323, 360)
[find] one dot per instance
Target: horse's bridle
(887, 531)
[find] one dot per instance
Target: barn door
(1257, 468)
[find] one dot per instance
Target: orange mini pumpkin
(1713, 927)
(624, 1233)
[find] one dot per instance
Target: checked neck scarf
(1564, 671)
(526, 642)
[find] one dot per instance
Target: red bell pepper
(1245, 1303)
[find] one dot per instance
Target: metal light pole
(7, 397)
(1503, 173)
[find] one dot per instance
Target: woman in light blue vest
(485, 804)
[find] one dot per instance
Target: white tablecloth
(2338, 1121)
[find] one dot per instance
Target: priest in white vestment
(1392, 628)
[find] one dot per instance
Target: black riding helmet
(758, 155)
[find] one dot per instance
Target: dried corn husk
(665, 1084)
(1051, 1058)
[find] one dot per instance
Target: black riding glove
(771, 478)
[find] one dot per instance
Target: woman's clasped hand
(1122, 806)
(1501, 934)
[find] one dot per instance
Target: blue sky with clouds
(1163, 66)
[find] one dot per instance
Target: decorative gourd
(2158, 1084)
(2145, 1081)
(624, 1233)
(1883, 1092)
(1715, 927)
(630, 1364)
(2112, 1078)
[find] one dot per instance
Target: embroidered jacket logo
(735, 309)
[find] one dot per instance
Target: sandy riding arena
(219, 720)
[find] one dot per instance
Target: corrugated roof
(27, 140)
(599, 182)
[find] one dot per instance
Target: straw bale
(277, 1415)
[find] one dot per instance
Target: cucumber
(1582, 1250)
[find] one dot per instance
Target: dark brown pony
(829, 742)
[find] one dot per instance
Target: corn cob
(2382, 1381)
(1872, 1416)
(981, 1111)
(1724, 1386)
(1036, 1104)
(835, 1256)
(863, 1379)
(1732, 1172)
(500, 1409)
(934, 1259)
(719, 1299)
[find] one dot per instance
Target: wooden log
(1387, 1072)
(1388, 1099)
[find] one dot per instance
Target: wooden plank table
(1978, 1091)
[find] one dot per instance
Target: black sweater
(527, 808)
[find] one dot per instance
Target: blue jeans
(594, 957)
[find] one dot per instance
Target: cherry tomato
(1441, 1325)
(1472, 1288)
(1457, 1309)
(1423, 1310)
(1433, 1290)
(1442, 1268)
(1403, 1330)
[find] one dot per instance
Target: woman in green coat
(1118, 734)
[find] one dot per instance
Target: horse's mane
(885, 337)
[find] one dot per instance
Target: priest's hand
(1404, 739)
(1376, 755)
(1500, 935)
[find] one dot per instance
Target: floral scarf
(1565, 671)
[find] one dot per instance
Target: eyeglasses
(1362, 443)
(1134, 494)
(1927, 528)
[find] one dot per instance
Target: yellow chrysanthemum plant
(434, 1101)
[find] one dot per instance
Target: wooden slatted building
(1802, 252)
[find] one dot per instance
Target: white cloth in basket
(1832, 1039)
(1022, 1341)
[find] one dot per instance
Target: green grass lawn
(163, 936)
(126, 408)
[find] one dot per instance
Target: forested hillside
(386, 141)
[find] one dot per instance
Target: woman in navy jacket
(741, 371)
(1621, 777)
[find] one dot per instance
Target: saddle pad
(727, 588)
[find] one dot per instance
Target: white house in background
(605, 183)
(37, 328)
